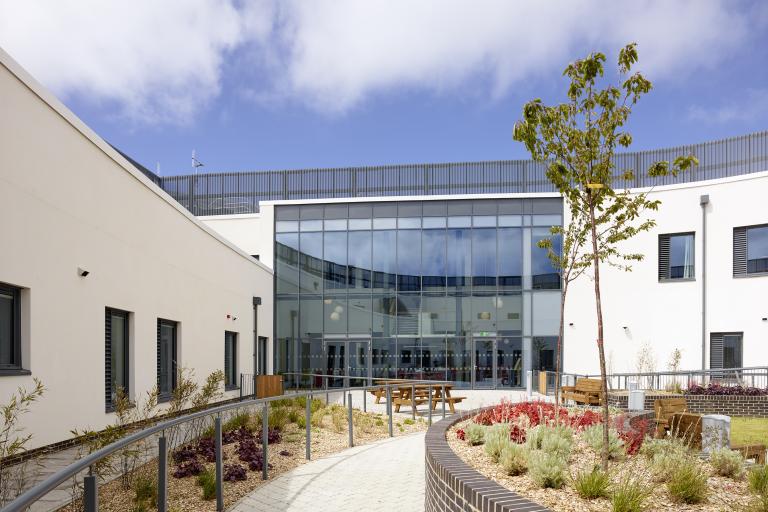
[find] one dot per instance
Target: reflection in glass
(757, 249)
(409, 359)
(433, 358)
(408, 309)
(360, 259)
(335, 314)
(458, 362)
(510, 258)
(287, 262)
(483, 314)
(311, 262)
(335, 256)
(483, 362)
(408, 260)
(543, 357)
(384, 315)
(433, 259)
(509, 362)
(545, 275)
(360, 314)
(287, 318)
(681, 256)
(384, 358)
(384, 261)
(509, 314)
(311, 322)
(458, 258)
(484, 259)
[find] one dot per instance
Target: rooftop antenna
(157, 168)
(195, 162)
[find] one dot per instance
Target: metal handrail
(27, 498)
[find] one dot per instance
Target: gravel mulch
(724, 493)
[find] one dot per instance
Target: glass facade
(452, 290)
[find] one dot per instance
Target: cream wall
(67, 199)
(253, 232)
(668, 315)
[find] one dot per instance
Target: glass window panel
(287, 318)
(408, 314)
(510, 258)
(381, 210)
(7, 341)
(433, 358)
(311, 262)
(434, 222)
(384, 358)
(384, 315)
(311, 211)
(732, 351)
(408, 260)
(546, 313)
(543, 356)
(384, 260)
(118, 349)
(509, 314)
(230, 351)
(360, 314)
(459, 222)
(484, 258)
(286, 225)
(311, 225)
(409, 358)
(360, 211)
(437, 315)
(545, 275)
(460, 310)
(287, 262)
(435, 208)
(335, 314)
(509, 361)
(681, 256)
(456, 208)
(384, 223)
(360, 260)
(510, 206)
(336, 225)
(167, 364)
(458, 362)
(484, 315)
(409, 223)
(757, 249)
(335, 260)
(311, 318)
(336, 211)
(484, 221)
(458, 257)
(355, 224)
(433, 259)
(510, 220)
(409, 209)
(286, 212)
(547, 220)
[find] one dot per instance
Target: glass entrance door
(484, 362)
(335, 362)
(347, 358)
(359, 363)
(509, 362)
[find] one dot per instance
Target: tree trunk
(558, 352)
(600, 348)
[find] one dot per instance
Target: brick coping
(451, 484)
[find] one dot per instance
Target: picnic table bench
(586, 391)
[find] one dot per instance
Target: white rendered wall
(67, 199)
(668, 314)
(253, 232)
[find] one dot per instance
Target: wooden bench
(586, 391)
(381, 394)
(752, 451)
(450, 400)
(688, 427)
(663, 409)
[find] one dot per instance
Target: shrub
(592, 484)
(240, 420)
(408, 421)
(758, 504)
(278, 418)
(316, 419)
(461, 435)
(547, 469)
(652, 447)
(717, 389)
(758, 480)
(145, 489)
(593, 436)
(189, 468)
(338, 419)
(629, 496)
(727, 463)
(294, 414)
(537, 436)
(301, 422)
(207, 480)
(475, 434)
(557, 445)
(514, 459)
(688, 483)
(496, 439)
(234, 473)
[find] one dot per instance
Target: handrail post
(162, 473)
(443, 401)
(219, 466)
(365, 400)
(264, 438)
(308, 426)
(254, 385)
(389, 408)
(349, 421)
(241, 387)
(413, 402)
(91, 490)
(429, 392)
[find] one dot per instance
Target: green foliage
(278, 418)
(758, 504)
(408, 421)
(629, 495)
(592, 484)
(547, 469)
(557, 444)
(514, 459)
(664, 464)
(727, 463)
(145, 490)
(496, 439)
(316, 419)
(241, 419)
(301, 422)
(207, 480)
(593, 436)
(758, 479)
(688, 483)
(670, 445)
(475, 434)
(338, 419)
(294, 413)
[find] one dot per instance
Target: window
(725, 350)
(676, 256)
(116, 354)
(166, 357)
(10, 330)
(750, 250)
(230, 360)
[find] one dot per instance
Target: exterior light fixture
(484, 315)
(570, 324)
(82, 272)
(625, 327)
(595, 185)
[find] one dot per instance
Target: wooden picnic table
(431, 394)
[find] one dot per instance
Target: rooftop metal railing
(240, 192)
(164, 447)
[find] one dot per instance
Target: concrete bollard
(529, 384)
(715, 432)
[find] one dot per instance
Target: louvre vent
(739, 251)
(716, 350)
(663, 257)
(108, 358)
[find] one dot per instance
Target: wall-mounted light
(82, 272)
(625, 327)
(765, 319)
(570, 324)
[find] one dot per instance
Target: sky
(262, 84)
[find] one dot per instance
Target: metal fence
(162, 431)
(240, 192)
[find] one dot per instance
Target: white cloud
(163, 60)
(749, 106)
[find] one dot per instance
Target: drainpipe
(704, 201)
(256, 304)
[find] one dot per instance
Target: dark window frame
(234, 382)
(166, 396)
(109, 390)
(717, 349)
(664, 243)
(16, 367)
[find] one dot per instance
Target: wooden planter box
(269, 385)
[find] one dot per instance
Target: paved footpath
(387, 475)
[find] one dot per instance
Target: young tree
(578, 140)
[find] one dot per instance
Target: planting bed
(634, 461)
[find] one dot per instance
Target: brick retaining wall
(451, 485)
(730, 405)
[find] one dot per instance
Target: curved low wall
(451, 485)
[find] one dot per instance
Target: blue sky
(273, 85)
